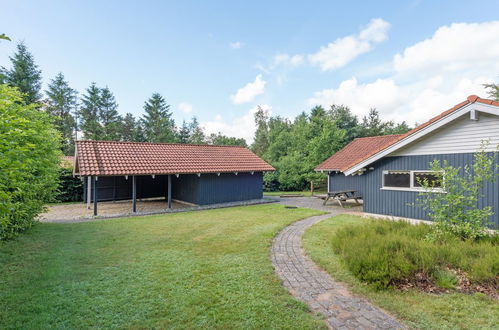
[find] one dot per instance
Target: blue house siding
(338, 181)
(111, 188)
(212, 189)
(203, 190)
(399, 203)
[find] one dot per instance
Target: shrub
(70, 188)
(383, 252)
(456, 211)
(29, 162)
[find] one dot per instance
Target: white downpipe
(328, 178)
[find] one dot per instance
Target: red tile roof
(107, 158)
(366, 149)
(356, 149)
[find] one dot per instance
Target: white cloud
(250, 91)
(286, 59)
(454, 48)
(240, 127)
(343, 50)
(428, 77)
(185, 107)
(236, 45)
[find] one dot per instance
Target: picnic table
(341, 196)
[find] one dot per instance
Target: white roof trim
(487, 108)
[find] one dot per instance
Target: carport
(189, 174)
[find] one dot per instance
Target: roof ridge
(376, 136)
(163, 143)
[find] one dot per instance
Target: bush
(29, 162)
(383, 252)
(70, 188)
(457, 211)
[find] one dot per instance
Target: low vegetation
(204, 269)
(395, 266)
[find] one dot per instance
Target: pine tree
(108, 115)
(196, 134)
(157, 122)
(60, 102)
(183, 133)
(24, 74)
(129, 128)
(493, 91)
(89, 113)
(372, 124)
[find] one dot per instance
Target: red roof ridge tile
(163, 143)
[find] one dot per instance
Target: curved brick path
(320, 291)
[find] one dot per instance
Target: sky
(219, 60)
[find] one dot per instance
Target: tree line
(95, 114)
(296, 147)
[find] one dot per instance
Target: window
(432, 178)
(397, 179)
(410, 180)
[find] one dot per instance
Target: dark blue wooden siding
(111, 188)
(338, 181)
(400, 203)
(212, 189)
(203, 190)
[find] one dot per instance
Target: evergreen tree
(493, 91)
(109, 118)
(24, 74)
(157, 121)
(129, 129)
(89, 113)
(60, 102)
(372, 125)
(183, 133)
(196, 134)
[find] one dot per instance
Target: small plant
(456, 211)
(445, 279)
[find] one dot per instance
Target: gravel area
(78, 212)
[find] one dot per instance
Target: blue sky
(218, 60)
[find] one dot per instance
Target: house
(384, 170)
(195, 174)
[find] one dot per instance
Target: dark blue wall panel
(203, 190)
(401, 203)
(338, 181)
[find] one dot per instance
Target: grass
(417, 309)
(205, 269)
(305, 193)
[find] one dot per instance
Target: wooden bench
(341, 196)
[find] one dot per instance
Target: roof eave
(416, 135)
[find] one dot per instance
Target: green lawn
(417, 309)
(205, 269)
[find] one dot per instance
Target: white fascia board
(486, 108)
(413, 137)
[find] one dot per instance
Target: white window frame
(411, 182)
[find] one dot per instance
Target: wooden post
(134, 194)
(311, 188)
(89, 192)
(169, 191)
(95, 194)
